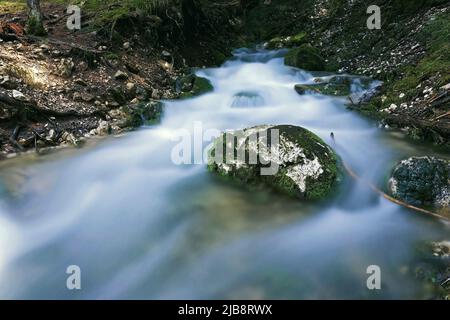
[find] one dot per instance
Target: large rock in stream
(191, 85)
(297, 162)
(422, 181)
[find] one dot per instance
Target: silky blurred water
(140, 226)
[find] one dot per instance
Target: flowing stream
(140, 226)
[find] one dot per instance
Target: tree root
(4, 98)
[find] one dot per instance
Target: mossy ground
(434, 67)
(435, 37)
(105, 11)
(305, 57)
(12, 6)
(288, 42)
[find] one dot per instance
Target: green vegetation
(144, 113)
(287, 42)
(436, 64)
(107, 11)
(281, 18)
(35, 27)
(305, 57)
(436, 37)
(12, 6)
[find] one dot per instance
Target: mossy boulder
(192, 85)
(305, 57)
(422, 181)
(298, 164)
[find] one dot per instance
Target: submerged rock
(302, 165)
(305, 57)
(422, 181)
(247, 99)
(358, 89)
(335, 86)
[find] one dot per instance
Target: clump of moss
(305, 57)
(219, 57)
(287, 42)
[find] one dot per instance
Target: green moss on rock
(306, 167)
(287, 42)
(192, 85)
(305, 57)
(143, 113)
(422, 181)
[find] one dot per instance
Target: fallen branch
(374, 188)
(441, 116)
(64, 43)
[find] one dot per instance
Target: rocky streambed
(163, 227)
